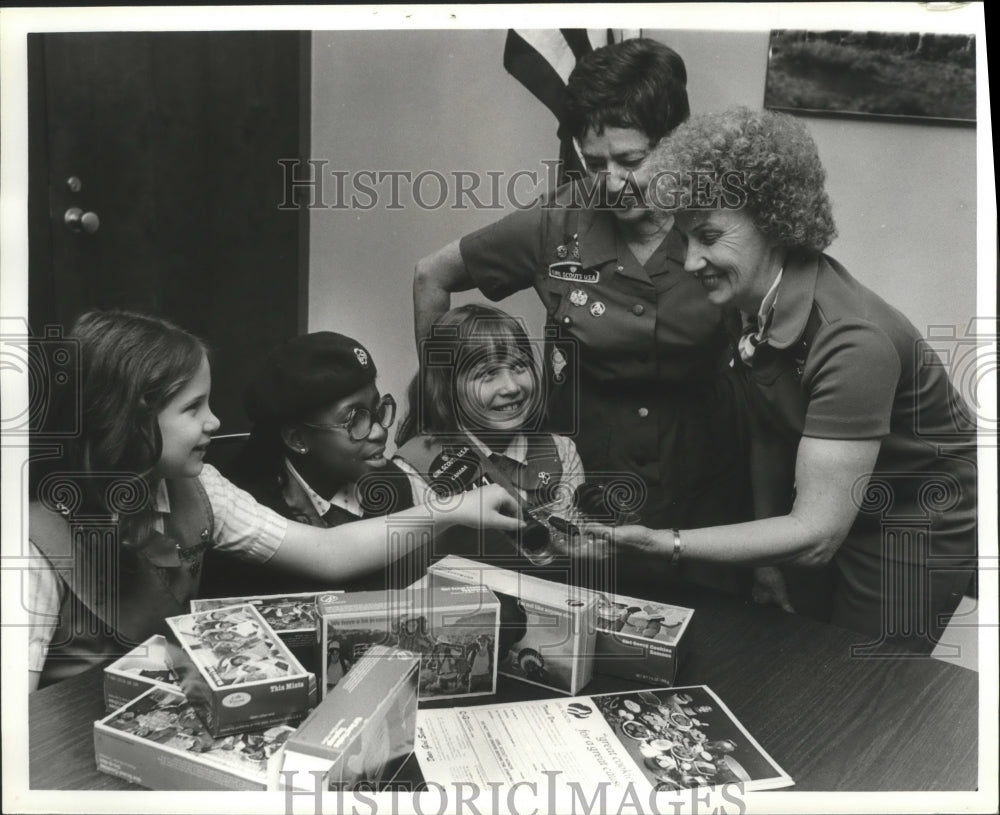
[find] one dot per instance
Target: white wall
(903, 194)
(417, 100)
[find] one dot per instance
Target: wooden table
(833, 721)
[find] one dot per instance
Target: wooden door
(168, 144)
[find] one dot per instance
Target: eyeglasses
(359, 423)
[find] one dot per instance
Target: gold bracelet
(675, 556)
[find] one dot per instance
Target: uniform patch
(597, 308)
(578, 297)
(574, 271)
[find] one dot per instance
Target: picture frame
(901, 77)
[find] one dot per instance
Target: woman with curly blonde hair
(863, 453)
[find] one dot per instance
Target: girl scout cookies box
(292, 616)
(362, 731)
(142, 668)
(453, 628)
(235, 671)
(639, 639)
(547, 629)
(158, 741)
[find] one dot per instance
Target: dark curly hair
(765, 162)
(638, 83)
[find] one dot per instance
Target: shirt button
(621, 268)
(638, 309)
(567, 320)
(643, 412)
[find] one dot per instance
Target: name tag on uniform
(456, 470)
(571, 270)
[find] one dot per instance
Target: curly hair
(765, 162)
(639, 83)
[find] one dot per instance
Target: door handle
(79, 221)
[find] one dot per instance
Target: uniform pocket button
(638, 309)
(643, 412)
(567, 320)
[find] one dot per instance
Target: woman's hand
(594, 541)
(770, 589)
(638, 538)
(489, 507)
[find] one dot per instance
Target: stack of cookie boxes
(240, 688)
(558, 636)
(291, 616)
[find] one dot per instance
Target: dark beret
(307, 373)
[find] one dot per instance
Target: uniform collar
(159, 502)
(600, 240)
(161, 498)
(346, 497)
(767, 306)
(517, 450)
(598, 237)
(675, 247)
(791, 311)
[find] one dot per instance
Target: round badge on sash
(597, 308)
(578, 297)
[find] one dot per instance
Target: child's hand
(489, 507)
(578, 538)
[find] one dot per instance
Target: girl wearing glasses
(121, 515)
(316, 454)
(474, 416)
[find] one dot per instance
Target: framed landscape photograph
(902, 77)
